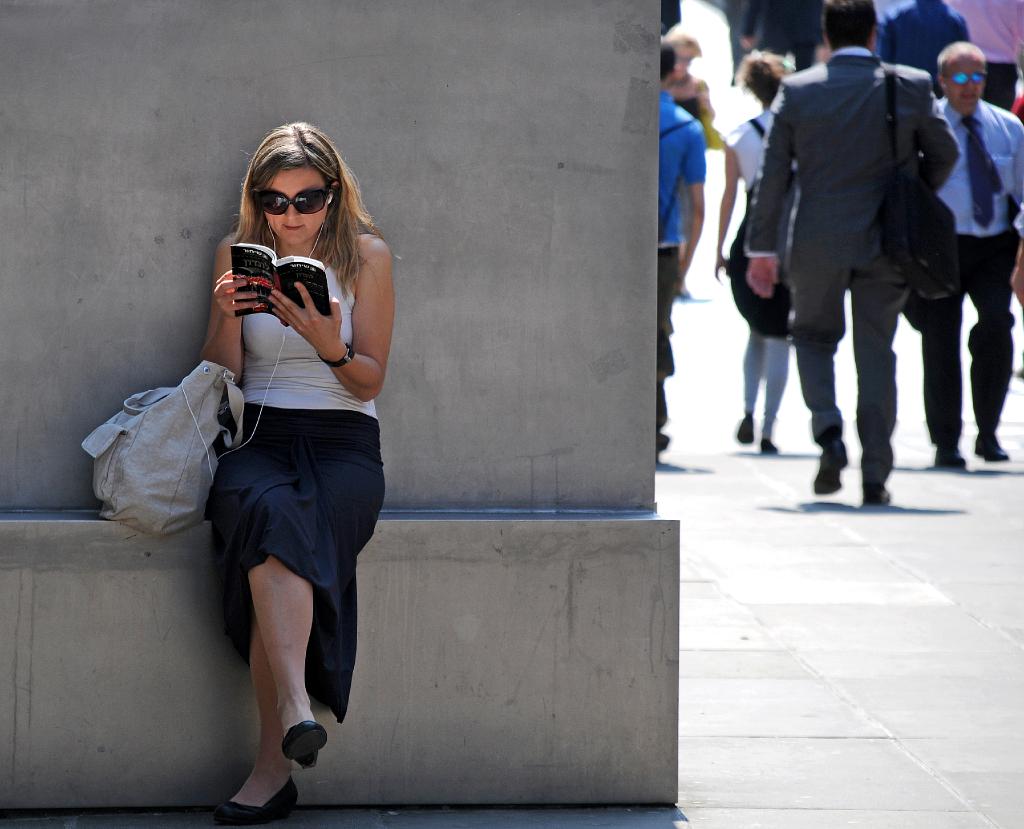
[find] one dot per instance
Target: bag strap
(890, 111)
(757, 125)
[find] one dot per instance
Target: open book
(265, 272)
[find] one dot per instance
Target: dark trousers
(985, 267)
(668, 278)
(1001, 84)
(669, 14)
(877, 294)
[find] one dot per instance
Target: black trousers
(985, 267)
(1001, 84)
(668, 278)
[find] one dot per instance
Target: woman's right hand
(230, 294)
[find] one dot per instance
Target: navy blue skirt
(307, 490)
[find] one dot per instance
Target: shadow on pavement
(782, 456)
(978, 473)
(851, 509)
(672, 469)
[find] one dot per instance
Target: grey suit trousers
(877, 295)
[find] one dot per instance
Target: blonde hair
(678, 39)
(296, 145)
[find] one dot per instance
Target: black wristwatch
(344, 361)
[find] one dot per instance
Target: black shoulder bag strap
(890, 112)
(760, 130)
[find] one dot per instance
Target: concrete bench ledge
(504, 658)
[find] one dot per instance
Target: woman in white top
(767, 355)
(294, 506)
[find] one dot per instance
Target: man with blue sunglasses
(984, 193)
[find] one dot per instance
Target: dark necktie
(982, 171)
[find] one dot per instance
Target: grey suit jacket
(830, 121)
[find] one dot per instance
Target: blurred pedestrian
(984, 193)
(692, 94)
(785, 27)
(997, 28)
(681, 166)
(914, 32)
(830, 122)
(766, 359)
(734, 13)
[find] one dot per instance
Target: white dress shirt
(1003, 135)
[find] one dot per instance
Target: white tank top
(302, 380)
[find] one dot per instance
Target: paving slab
(831, 819)
(999, 604)
(943, 707)
(787, 773)
(768, 708)
(972, 754)
(999, 795)
(736, 664)
(784, 588)
(1003, 664)
(891, 628)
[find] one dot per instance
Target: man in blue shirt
(983, 191)
(680, 165)
(913, 33)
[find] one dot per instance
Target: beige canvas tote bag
(153, 462)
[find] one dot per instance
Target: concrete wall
(507, 149)
(499, 662)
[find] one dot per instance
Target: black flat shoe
(988, 447)
(833, 461)
(949, 459)
(876, 495)
(745, 431)
(278, 807)
(303, 741)
(768, 448)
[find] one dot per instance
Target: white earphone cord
(266, 391)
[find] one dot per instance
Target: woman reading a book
(294, 506)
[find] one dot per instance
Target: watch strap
(344, 361)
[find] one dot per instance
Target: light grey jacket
(830, 121)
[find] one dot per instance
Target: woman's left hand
(323, 333)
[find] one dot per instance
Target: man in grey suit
(829, 139)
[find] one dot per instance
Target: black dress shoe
(303, 741)
(876, 495)
(988, 447)
(949, 458)
(833, 460)
(278, 807)
(745, 431)
(768, 448)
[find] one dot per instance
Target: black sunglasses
(308, 201)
